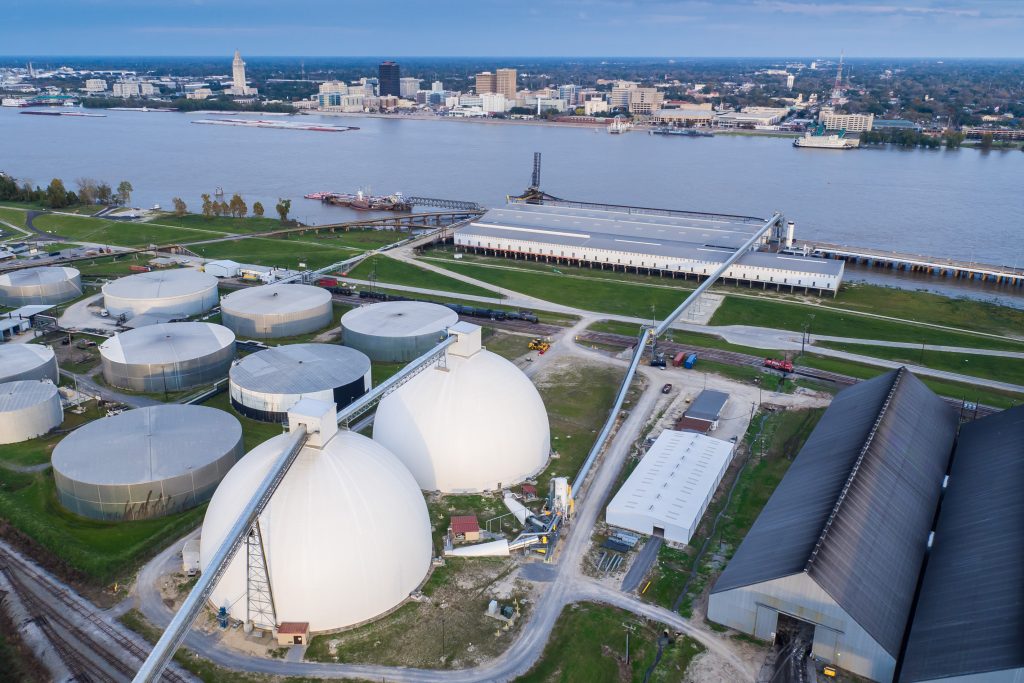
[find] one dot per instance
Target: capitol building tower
(238, 86)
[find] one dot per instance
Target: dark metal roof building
(708, 405)
(841, 542)
(970, 615)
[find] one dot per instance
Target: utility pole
(629, 628)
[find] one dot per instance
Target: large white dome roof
(347, 534)
(476, 425)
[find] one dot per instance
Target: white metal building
(668, 243)
(176, 293)
(222, 268)
(475, 424)
(28, 408)
(346, 534)
(668, 492)
(278, 310)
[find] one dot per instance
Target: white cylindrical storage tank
(346, 534)
(790, 230)
(27, 361)
(281, 310)
(168, 356)
(28, 408)
(396, 330)
(41, 285)
(148, 462)
(264, 385)
(175, 293)
(477, 425)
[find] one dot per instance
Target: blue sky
(670, 28)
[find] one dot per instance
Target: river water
(963, 203)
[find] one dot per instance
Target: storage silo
(174, 293)
(264, 385)
(40, 285)
(346, 535)
(396, 330)
(476, 424)
(28, 408)
(279, 310)
(148, 462)
(168, 356)
(27, 361)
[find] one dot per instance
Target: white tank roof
(146, 444)
(347, 535)
(470, 427)
(299, 368)
(160, 284)
(167, 343)
(15, 396)
(16, 359)
(42, 275)
(277, 299)
(399, 319)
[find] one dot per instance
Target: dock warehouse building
(672, 486)
(707, 409)
(840, 545)
(651, 241)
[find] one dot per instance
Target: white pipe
(492, 549)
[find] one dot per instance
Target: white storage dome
(280, 310)
(175, 293)
(475, 426)
(40, 285)
(28, 408)
(347, 535)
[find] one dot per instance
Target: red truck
(139, 269)
(327, 282)
(776, 364)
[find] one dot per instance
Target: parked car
(667, 388)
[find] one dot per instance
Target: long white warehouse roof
(673, 484)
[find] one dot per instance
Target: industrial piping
(641, 344)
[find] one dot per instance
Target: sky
(584, 28)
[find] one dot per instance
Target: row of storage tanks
(476, 423)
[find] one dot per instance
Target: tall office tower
(390, 77)
(505, 83)
(486, 82)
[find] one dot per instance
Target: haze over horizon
(553, 28)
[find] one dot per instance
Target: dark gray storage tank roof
(970, 615)
(856, 507)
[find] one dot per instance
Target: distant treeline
(906, 137)
(184, 104)
(56, 196)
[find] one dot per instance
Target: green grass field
(15, 216)
(278, 252)
(989, 367)
(123, 234)
(789, 316)
(254, 432)
(220, 223)
(588, 644)
(708, 341)
(38, 451)
(100, 552)
(386, 269)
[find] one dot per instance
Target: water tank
(396, 330)
(41, 285)
(28, 408)
(476, 424)
(280, 310)
(173, 293)
(27, 361)
(264, 385)
(168, 356)
(346, 534)
(146, 462)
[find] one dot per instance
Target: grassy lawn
(37, 451)
(15, 216)
(99, 552)
(386, 269)
(112, 265)
(990, 367)
(197, 221)
(119, 233)
(279, 252)
(588, 643)
(563, 319)
(789, 316)
(577, 399)
(16, 660)
(254, 432)
(701, 339)
(510, 346)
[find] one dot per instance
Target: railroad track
(88, 657)
(745, 359)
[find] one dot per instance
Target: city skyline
(734, 28)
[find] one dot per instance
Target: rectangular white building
(852, 123)
(668, 492)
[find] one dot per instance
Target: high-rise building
(486, 82)
(126, 89)
(620, 94)
(569, 93)
(505, 83)
(238, 86)
(390, 79)
(408, 87)
(437, 86)
(95, 85)
(645, 100)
